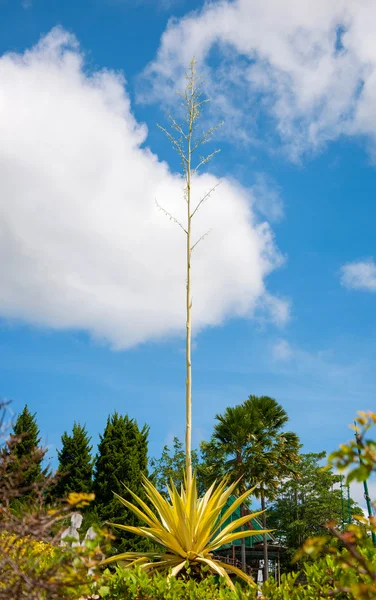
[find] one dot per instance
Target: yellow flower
(80, 499)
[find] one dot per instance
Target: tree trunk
(243, 554)
(265, 537)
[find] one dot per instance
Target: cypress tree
(23, 455)
(25, 446)
(27, 432)
(121, 460)
(75, 471)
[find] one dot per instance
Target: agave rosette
(188, 527)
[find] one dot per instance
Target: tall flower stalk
(186, 141)
(187, 527)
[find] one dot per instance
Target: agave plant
(188, 527)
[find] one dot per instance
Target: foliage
(26, 454)
(27, 433)
(344, 563)
(305, 503)
(232, 438)
(320, 579)
(75, 469)
(212, 466)
(171, 466)
(248, 442)
(327, 577)
(120, 465)
(31, 563)
(188, 528)
(137, 585)
(352, 551)
(28, 551)
(359, 453)
(229, 447)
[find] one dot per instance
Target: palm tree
(232, 440)
(250, 441)
(274, 452)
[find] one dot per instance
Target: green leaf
(104, 591)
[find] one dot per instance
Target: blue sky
(91, 291)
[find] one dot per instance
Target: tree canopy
(306, 502)
(171, 466)
(248, 442)
(120, 464)
(75, 471)
(27, 455)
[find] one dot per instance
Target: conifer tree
(75, 471)
(121, 460)
(27, 432)
(25, 446)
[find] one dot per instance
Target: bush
(125, 584)
(327, 577)
(27, 553)
(34, 566)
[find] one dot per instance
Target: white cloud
(310, 65)
(278, 309)
(357, 493)
(322, 364)
(282, 350)
(268, 199)
(359, 275)
(82, 243)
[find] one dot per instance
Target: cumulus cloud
(82, 243)
(359, 275)
(310, 66)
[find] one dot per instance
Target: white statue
(90, 535)
(71, 531)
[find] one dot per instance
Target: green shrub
(126, 584)
(327, 577)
